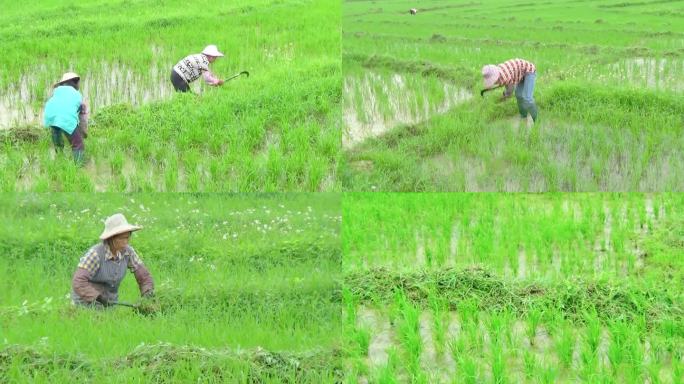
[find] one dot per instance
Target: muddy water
(102, 84)
(441, 368)
(375, 103)
(653, 73)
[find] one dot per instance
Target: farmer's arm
(87, 266)
(142, 275)
(210, 79)
(83, 118)
(508, 91)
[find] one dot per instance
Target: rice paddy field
(277, 130)
(246, 290)
(500, 288)
(609, 91)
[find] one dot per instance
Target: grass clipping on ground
(574, 297)
(161, 359)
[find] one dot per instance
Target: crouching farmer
(101, 270)
(66, 114)
(193, 66)
(515, 74)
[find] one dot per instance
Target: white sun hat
(67, 76)
(212, 50)
(490, 74)
(117, 224)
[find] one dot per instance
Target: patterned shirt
(91, 262)
(513, 71)
(194, 66)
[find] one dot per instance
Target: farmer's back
(62, 109)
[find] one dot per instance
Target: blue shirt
(62, 109)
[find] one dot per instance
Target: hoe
(236, 75)
(482, 92)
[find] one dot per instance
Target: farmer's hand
(104, 300)
(220, 82)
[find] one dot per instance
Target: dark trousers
(179, 84)
(75, 139)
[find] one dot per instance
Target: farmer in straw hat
(100, 271)
(515, 73)
(66, 113)
(193, 66)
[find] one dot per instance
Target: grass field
(609, 86)
(496, 288)
(278, 130)
(246, 290)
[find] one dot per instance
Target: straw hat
(212, 50)
(67, 76)
(117, 224)
(490, 74)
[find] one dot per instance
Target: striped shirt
(194, 66)
(91, 262)
(513, 71)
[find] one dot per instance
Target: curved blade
(125, 304)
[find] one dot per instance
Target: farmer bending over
(191, 67)
(518, 74)
(66, 113)
(100, 271)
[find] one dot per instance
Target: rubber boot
(533, 111)
(521, 109)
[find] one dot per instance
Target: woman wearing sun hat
(515, 73)
(100, 271)
(66, 113)
(193, 66)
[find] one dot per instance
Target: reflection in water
(375, 103)
(102, 84)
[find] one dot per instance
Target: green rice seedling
(618, 338)
(475, 339)
(351, 304)
(635, 356)
(534, 318)
(499, 363)
(409, 334)
(653, 370)
(117, 162)
(530, 364)
(565, 345)
(589, 363)
(468, 312)
(389, 372)
(458, 346)
(548, 375)
(593, 330)
(439, 307)
(469, 371)
(362, 338)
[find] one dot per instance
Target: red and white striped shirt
(513, 71)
